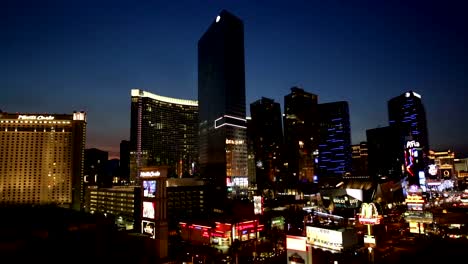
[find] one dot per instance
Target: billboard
(258, 205)
(148, 228)
(149, 188)
(296, 243)
(326, 238)
(148, 210)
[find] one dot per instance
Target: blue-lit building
(407, 115)
(335, 156)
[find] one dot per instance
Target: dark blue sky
(60, 56)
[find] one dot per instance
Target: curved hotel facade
(163, 132)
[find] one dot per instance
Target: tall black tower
(301, 132)
(267, 135)
(221, 97)
(385, 153)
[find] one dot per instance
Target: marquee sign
(150, 174)
(369, 214)
(35, 117)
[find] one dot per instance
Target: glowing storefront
(222, 234)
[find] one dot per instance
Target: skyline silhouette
(66, 56)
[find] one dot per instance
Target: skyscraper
(221, 97)
(163, 132)
(267, 135)
(360, 160)
(385, 153)
(406, 113)
(41, 158)
(301, 134)
(335, 141)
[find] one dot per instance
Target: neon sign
(150, 174)
(369, 214)
(34, 117)
(234, 142)
(414, 199)
(412, 144)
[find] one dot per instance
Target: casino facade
(41, 158)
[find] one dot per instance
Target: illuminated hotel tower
(41, 158)
(163, 131)
(221, 97)
(406, 113)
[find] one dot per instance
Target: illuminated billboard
(325, 238)
(149, 189)
(413, 161)
(258, 204)
(296, 243)
(148, 228)
(148, 210)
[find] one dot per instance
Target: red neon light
(370, 221)
(205, 234)
(408, 166)
(242, 227)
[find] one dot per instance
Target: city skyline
(62, 57)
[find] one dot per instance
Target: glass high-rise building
(221, 97)
(41, 158)
(406, 112)
(163, 132)
(267, 136)
(335, 155)
(301, 135)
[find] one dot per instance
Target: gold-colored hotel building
(41, 158)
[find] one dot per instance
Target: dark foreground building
(267, 136)
(301, 135)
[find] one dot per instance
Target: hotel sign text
(35, 117)
(150, 174)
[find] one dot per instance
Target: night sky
(66, 55)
